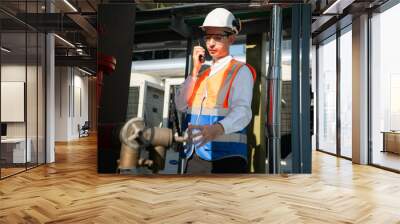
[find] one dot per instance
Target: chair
(84, 130)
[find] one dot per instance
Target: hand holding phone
(202, 56)
(198, 59)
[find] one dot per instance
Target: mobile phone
(202, 58)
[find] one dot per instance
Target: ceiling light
(337, 7)
(79, 51)
(70, 5)
(78, 44)
(5, 50)
(65, 41)
(84, 71)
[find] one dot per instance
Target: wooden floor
(5, 172)
(70, 191)
(387, 159)
(10, 171)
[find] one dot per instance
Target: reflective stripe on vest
(209, 104)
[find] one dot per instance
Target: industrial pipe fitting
(135, 136)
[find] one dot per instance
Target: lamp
(65, 41)
(70, 5)
(5, 50)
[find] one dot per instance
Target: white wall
(80, 84)
(33, 126)
(61, 103)
(71, 93)
(314, 90)
(13, 73)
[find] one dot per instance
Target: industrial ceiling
(169, 22)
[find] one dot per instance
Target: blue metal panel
(295, 117)
(305, 89)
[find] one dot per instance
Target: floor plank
(71, 191)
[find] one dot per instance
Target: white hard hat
(221, 17)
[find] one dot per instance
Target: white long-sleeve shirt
(239, 113)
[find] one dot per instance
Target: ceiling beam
(86, 27)
(179, 26)
(49, 22)
(82, 61)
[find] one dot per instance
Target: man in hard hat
(217, 100)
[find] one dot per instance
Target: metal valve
(135, 137)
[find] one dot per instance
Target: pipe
(135, 135)
(130, 148)
(129, 158)
(157, 137)
(158, 155)
(274, 92)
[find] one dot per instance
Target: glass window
(15, 150)
(327, 96)
(31, 101)
(346, 93)
(22, 91)
(385, 84)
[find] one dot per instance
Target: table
(15, 148)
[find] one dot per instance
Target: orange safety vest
(208, 104)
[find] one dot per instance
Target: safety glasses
(215, 37)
